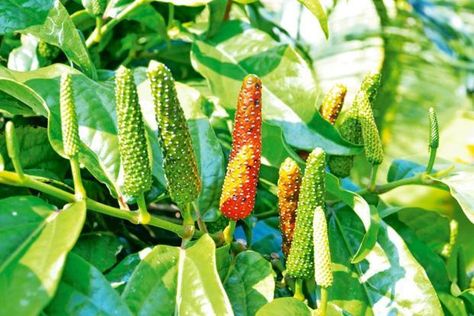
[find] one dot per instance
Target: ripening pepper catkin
(69, 125)
(289, 183)
(240, 183)
(332, 103)
(218, 225)
(370, 134)
(47, 51)
(179, 160)
(133, 146)
(351, 131)
(453, 236)
(322, 253)
(300, 262)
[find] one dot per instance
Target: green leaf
(416, 236)
(401, 169)
(250, 283)
(223, 261)
(30, 102)
(99, 249)
(171, 280)
(19, 14)
(121, 273)
(36, 151)
(367, 214)
(454, 305)
(59, 30)
(289, 87)
(460, 186)
(285, 306)
(389, 281)
(34, 243)
(83, 290)
(317, 10)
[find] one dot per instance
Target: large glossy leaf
(18, 14)
(285, 306)
(289, 88)
(83, 290)
(250, 283)
(34, 243)
(59, 30)
(171, 280)
(390, 280)
(95, 106)
(367, 214)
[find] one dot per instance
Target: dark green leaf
(83, 290)
(454, 305)
(401, 169)
(19, 14)
(121, 273)
(99, 249)
(172, 280)
(35, 241)
(250, 283)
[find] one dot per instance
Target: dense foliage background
(70, 262)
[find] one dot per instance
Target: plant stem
(229, 232)
(201, 224)
(170, 15)
(11, 178)
(373, 178)
(431, 161)
(79, 190)
(188, 224)
(143, 216)
(324, 302)
(299, 290)
(99, 32)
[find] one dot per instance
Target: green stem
(229, 232)
(79, 190)
(299, 290)
(101, 31)
(12, 148)
(188, 224)
(98, 26)
(324, 302)
(373, 178)
(170, 15)
(201, 224)
(11, 178)
(143, 216)
(431, 161)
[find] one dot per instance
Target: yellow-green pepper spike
(300, 262)
(322, 254)
(180, 165)
(133, 144)
(69, 125)
(332, 103)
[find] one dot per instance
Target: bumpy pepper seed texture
(240, 183)
(133, 145)
(179, 160)
(69, 125)
(351, 131)
(300, 263)
(332, 103)
(47, 51)
(370, 134)
(289, 183)
(95, 7)
(322, 253)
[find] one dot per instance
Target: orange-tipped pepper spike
(240, 184)
(289, 183)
